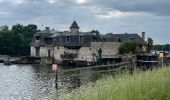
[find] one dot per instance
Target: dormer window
(67, 39)
(60, 39)
(48, 41)
(81, 39)
(37, 38)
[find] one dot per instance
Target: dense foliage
(129, 47)
(15, 41)
(149, 44)
(150, 85)
(162, 47)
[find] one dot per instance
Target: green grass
(150, 85)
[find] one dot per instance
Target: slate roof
(74, 25)
(45, 33)
(67, 33)
(125, 37)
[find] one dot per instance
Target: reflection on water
(26, 82)
(70, 80)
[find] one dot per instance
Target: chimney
(143, 36)
(47, 29)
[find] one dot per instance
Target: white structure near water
(75, 46)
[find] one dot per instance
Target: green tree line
(165, 47)
(16, 41)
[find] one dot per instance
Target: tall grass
(149, 85)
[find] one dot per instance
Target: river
(26, 82)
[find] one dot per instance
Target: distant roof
(44, 33)
(74, 25)
(125, 37)
(76, 33)
(50, 31)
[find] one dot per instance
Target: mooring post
(55, 70)
(131, 69)
(56, 80)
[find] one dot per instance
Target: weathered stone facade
(77, 46)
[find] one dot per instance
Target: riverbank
(150, 85)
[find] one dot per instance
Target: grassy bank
(150, 85)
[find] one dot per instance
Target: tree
(129, 47)
(103, 39)
(149, 44)
(167, 48)
(99, 60)
(16, 41)
(18, 28)
(97, 34)
(4, 28)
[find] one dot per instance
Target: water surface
(26, 82)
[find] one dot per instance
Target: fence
(74, 78)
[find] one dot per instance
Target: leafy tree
(129, 47)
(149, 44)
(4, 28)
(99, 59)
(103, 39)
(16, 41)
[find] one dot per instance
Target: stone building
(75, 46)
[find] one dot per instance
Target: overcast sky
(116, 16)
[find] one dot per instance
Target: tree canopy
(129, 47)
(149, 44)
(15, 42)
(165, 47)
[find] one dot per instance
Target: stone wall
(85, 54)
(57, 52)
(109, 49)
(45, 50)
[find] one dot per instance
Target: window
(60, 39)
(119, 40)
(37, 38)
(81, 39)
(48, 41)
(37, 52)
(67, 39)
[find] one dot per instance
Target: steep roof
(125, 37)
(74, 25)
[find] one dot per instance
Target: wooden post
(162, 62)
(55, 69)
(131, 69)
(56, 80)
(161, 54)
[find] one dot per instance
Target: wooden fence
(77, 76)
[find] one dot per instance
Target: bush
(150, 85)
(128, 47)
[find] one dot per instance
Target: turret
(74, 27)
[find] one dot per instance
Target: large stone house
(76, 46)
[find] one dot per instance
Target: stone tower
(74, 28)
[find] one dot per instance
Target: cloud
(81, 1)
(4, 13)
(52, 1)
(157, 7)
(13, 1)
(117, 16)
(116, 13)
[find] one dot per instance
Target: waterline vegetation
(149, 85)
